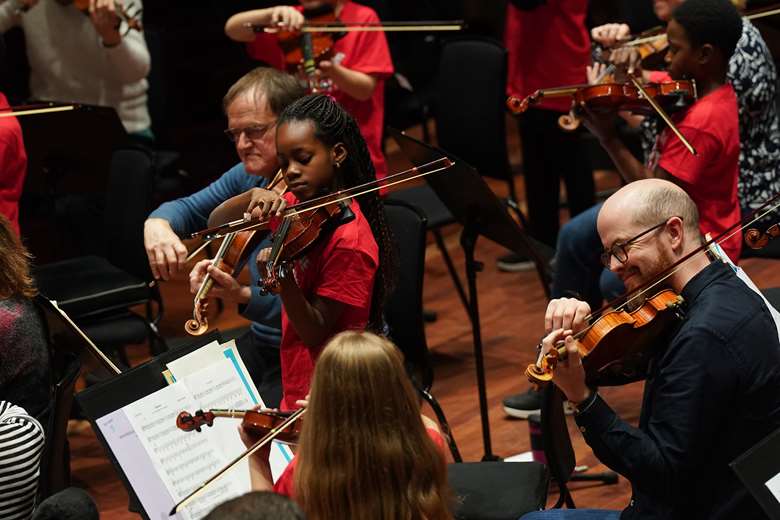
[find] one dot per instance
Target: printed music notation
(183, 460)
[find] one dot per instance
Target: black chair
(403, 310)
(469, 107)
(486, 490)
(55, 459)
(558, 449)
(437, 216)
(98, 291)
(498, 490)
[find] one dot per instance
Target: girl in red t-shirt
(360, 65)
(365, 450)
(341, 282)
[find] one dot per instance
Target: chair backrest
(556, 441)
(403, 310)
(128, 203)
(55, 461)
(469, 104)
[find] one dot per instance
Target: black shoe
(529, 403)
(514, 262)
(523, 405)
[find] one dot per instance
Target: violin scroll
(519, 106)
(756, 239)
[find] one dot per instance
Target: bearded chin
(663, 262)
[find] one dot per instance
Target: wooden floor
(512, 307)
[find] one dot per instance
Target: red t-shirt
(548, 46)
(711, 125)
(284, 486)
(13, 166)
(340, 267)
(360, 51)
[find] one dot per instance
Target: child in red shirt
(342, 280)
(358, 70)
(365, 450)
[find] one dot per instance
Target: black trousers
(263, 363)
(549, 155)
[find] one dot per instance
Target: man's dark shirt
(711, 394)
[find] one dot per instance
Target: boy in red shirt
(360, 66)
(700, 46)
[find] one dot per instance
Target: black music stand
(480, 211)
(68, 160)
(756, 467)
(125, 388)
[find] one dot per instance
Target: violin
(757, 239)
(616, 346)
(230, 258)
(615, 349)
(255, 422)
(296, 235)
(653, 47)
(304, 50)
(130, 15)
(271, 435)
(609, 97)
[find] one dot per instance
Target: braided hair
(332, 125)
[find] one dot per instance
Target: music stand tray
(477, 208)
(759, 468)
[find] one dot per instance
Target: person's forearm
(357, 84)
(629, 168)
(307, 320)
(238, 27)
(260, 475)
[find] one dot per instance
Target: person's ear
(705, 54)
(338, 154)
(675, 231)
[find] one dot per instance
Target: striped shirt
(21, 445)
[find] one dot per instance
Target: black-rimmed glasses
(252, 132)
(620, 251)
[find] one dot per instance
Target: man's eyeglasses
(620, 251)
(253, 132)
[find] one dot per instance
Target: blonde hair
(364, 451)
(15, 279)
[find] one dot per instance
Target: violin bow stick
(437, 165)
(32, 110)
(430, 26)
(255, 447)
(662, 113)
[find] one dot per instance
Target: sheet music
(234, 388)
(774, 486)
(183, 460)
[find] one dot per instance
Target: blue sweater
(189, 214)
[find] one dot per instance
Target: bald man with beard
(712, 391)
